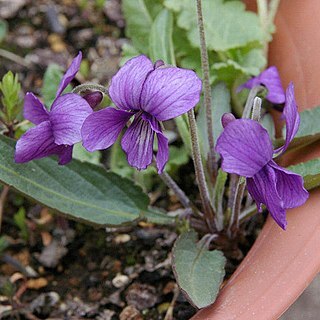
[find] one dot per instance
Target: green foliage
(220, 104)
(10, 89)
(218, 194)
(309, 129)
(139, 23)
(3, 29)
(227, 24)
(20, 220)
(80, 190)
(83, 155)
(199, 272)
(51, 80)
(160, 40)
(4, 244)
(310, 171)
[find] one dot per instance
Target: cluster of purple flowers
(148, 93)
(144, 95)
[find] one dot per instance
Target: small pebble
(120, 280)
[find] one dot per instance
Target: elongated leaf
(220, 105)
(80, 190)
(139, 22)
(160, 40)
(310, 171)
(199, 272)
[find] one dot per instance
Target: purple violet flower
(246, 149)
(149, 93)
(56, 131)
(270, 78)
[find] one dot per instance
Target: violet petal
(170, 92)
(270, 78)
(263, 189)
(163, 143)
(70, 73)
(37, 142)
(245, 147)
(290, 187)
(34, 110)
(126, 84)
(67, 115)
(292, 117)
(102, 128)
(137, 142)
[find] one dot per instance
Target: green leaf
(10, 89)
(268, 123)
(221, 103)
(244, 64)
(82, 191)
(138, 23)
(3, 29)
(199, 272)
(20, 220)
(157, 216)
(128, 52)
(83, 155)
(51, 80)
(227, 24)
(310, 171)
(160, 40)
(309, 130)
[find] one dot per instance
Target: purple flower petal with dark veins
(93, 98)
(70, 73)
(102, 128)
(263, 189)
(126, 85)
(163, 143)
(270, 78)
(290, 187)
(292, 117)
(67, 115)
(245, 147)
(36, 143)
(169, 92)
(34, 110)
(137, 142)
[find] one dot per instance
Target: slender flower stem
(235, 213)
(273, 8)
(90, 86)
(247, 213)
(3, 197)
(249, 103)
(207, 90)
(166, 178)
(203, 189)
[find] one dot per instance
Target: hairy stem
(203, 189)
(207, 90)
(90, 86)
